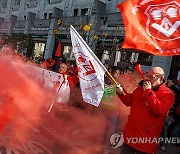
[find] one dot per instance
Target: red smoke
(27, 126)
(20, 96)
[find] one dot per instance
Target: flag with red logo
(57, 83)
(90, 70)
(152, 26)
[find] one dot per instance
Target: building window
(50, 15)
(45, 15)
(54, 1)
(84, 11)
(104, 20)
(75, 12)
(67, 51)
(39, 49)
(4, 4)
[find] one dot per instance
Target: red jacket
(147, 115)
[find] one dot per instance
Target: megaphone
(139, 70)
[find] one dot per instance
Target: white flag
(90, 70)
(50, 80)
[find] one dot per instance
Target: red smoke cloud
(26, 126)
(19, 94)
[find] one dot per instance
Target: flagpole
(111, 78)
(55, 97)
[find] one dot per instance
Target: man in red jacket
(150, 103)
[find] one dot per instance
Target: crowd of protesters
(147, 93)
(153, 90)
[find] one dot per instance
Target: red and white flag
(90, 70)
(52, 81)
(152, 26)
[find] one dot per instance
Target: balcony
(41, 23)
(19, 26)
(4, 27)
(41, 26)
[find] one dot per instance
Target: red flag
(58, 50)
(152, 26)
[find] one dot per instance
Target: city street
(64, 130)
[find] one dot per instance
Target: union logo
(163, 21)
(86, 69)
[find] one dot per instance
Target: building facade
(98, 21)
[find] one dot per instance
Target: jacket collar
(155, 89)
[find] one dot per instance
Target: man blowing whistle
(150, 103)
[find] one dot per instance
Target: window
(4, 4)
(54, 1)
(84, 11)
(45, 15)
(75, 12)
(67, 51)
(50, 15)
(104, 20)
(39, 49)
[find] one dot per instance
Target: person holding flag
(150, 104)
(152, 26)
